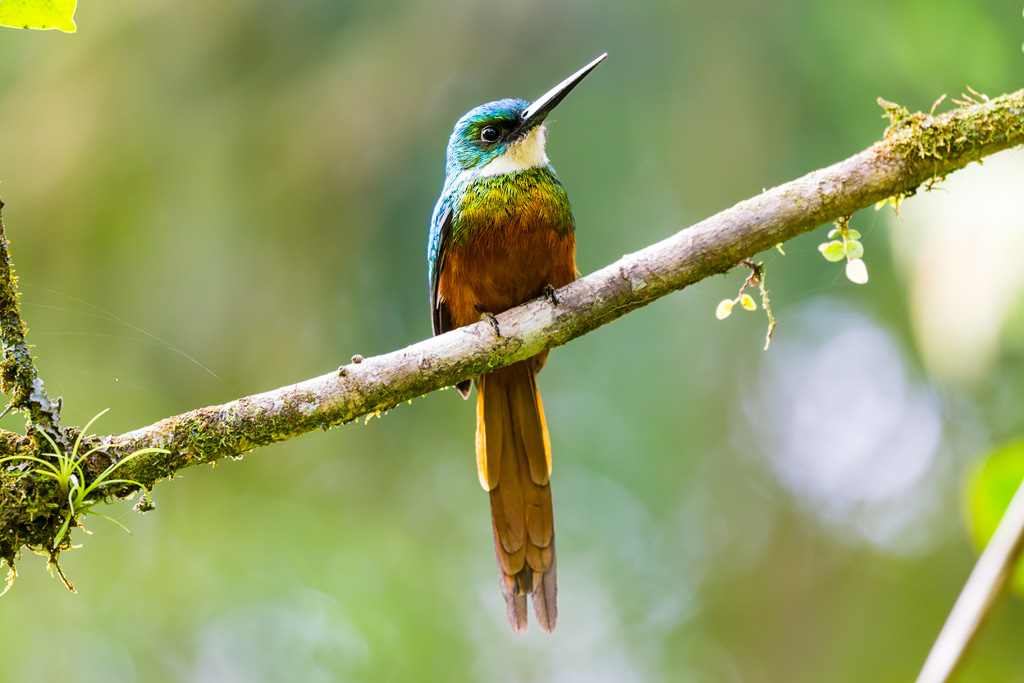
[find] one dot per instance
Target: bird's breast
(511, 236)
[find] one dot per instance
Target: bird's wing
(440, 231)
(437, 247)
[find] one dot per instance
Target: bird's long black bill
(542, 106)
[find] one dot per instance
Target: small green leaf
(747, 302)
(990, 485)
(724, 309)
(832, 251)
(856, 271)
(833, 232)
(854, 249)
(38, 14)
(852, 235)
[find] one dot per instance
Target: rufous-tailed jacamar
(501, 234)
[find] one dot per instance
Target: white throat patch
(521, 155)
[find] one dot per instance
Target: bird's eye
(490, 134)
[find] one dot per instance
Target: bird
(501, 234)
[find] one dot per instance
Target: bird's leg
(549, 294)
(489, 317)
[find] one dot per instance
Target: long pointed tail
(513, 457)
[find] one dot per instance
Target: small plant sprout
(966, 100)
(66, 470)
(744, 300)
(848, 247)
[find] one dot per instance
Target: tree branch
(987, 581)
(916, 149)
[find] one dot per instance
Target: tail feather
(514, 462)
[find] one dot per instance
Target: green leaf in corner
(991, 484)
(38, 14)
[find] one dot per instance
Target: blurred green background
(207, 200)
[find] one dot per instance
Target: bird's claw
(488, 317)
(549, 294)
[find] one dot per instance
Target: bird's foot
(488, 317)
(549, 294)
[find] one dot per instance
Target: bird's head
(508, 135)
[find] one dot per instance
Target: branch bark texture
(916, 149)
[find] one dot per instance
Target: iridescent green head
(508, 135)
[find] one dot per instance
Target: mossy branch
(916, 149)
